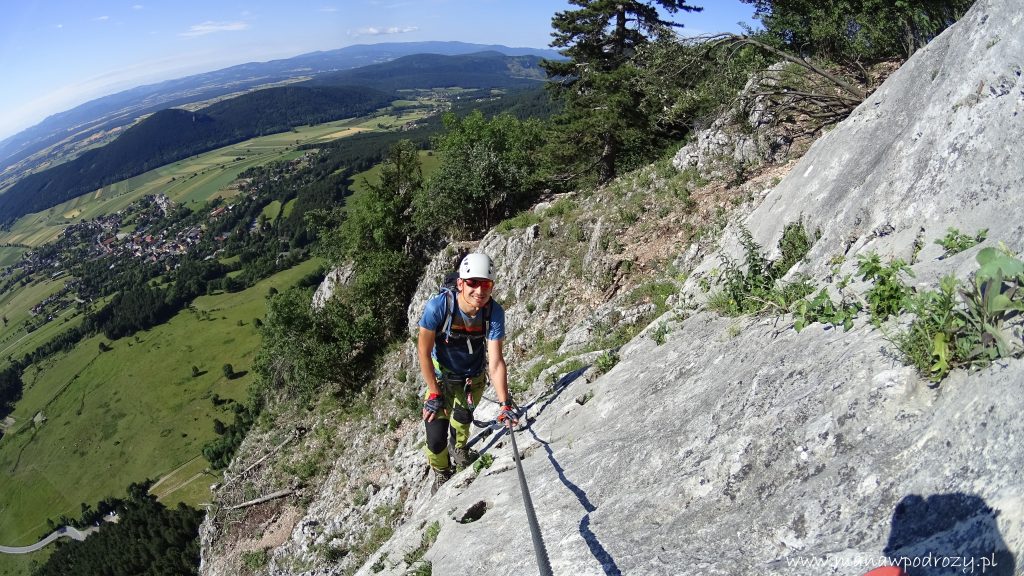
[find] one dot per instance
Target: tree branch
(802, 62)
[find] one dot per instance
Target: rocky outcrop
(745, 137)
(744, 447)
(338, 277)
(722, 445)
(937, 145)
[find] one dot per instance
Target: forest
(173, 134)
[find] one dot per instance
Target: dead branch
(787, 92)
(260, 461)
(802, 62)
(267, 498)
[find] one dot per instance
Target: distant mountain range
(477, 70)
(169, 135)
(65, 134)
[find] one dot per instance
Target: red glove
(433, 407)
(507, 416)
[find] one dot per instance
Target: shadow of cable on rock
(593, 542)
(548, 398)
(596, 548)
(946, 534)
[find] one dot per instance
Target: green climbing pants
(454, 422)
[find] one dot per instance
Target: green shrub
(656, 292)
(660, 333)
(888, 294)
(959, 326)
(521, 220)
(822, 309)
(606, 361)
(793, 246)
(360, 497)
(754, 289)
(256, 559)
(426, 541)
(955, 242)
(484, 461)
(424, 568)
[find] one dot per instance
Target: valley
(103, 412)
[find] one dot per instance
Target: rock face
(723, 147)
(744, 447)
(719, 445)
(335, 278)
(937, 145)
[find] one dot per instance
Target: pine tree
(856, 31)
(603, 116)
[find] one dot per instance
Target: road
(62, 532)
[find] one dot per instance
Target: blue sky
(57, 54)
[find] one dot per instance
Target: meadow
(91, 422)
(15, 307)
(193, 180)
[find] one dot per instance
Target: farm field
(193, 180)
(11, 254)
(15, 307)
(91, 422)
(428, 161)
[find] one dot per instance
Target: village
(149, 230)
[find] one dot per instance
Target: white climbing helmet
(476, 265)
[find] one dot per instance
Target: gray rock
(722, 147)
(741, 455)
(338, 277)
(738, 447)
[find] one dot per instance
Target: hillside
(173, 134)
(67, 132)
(490, 69)
(665, 437)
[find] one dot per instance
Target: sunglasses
(479, 283)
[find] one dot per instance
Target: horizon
(59, 55)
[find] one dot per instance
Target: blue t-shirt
(465, 350)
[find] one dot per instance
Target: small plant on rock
(955, 242)
(822, 309)
(660, 334)
(959, 326)
(605, 362)
(888, 294)
(757, 289)
(484, 461)
(426, 541)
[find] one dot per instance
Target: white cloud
(101, 18)
(210, 27)
(137, 7)
(374, 31)
(328, 9)
(59, 26)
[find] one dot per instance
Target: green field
(11, 255)
(16, 305)
(135, 412)
(91, 422)
(22, 564)
(193, 180)
(428, 160)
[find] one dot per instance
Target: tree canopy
(857, 30)
(488, 170)
(603, 118)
